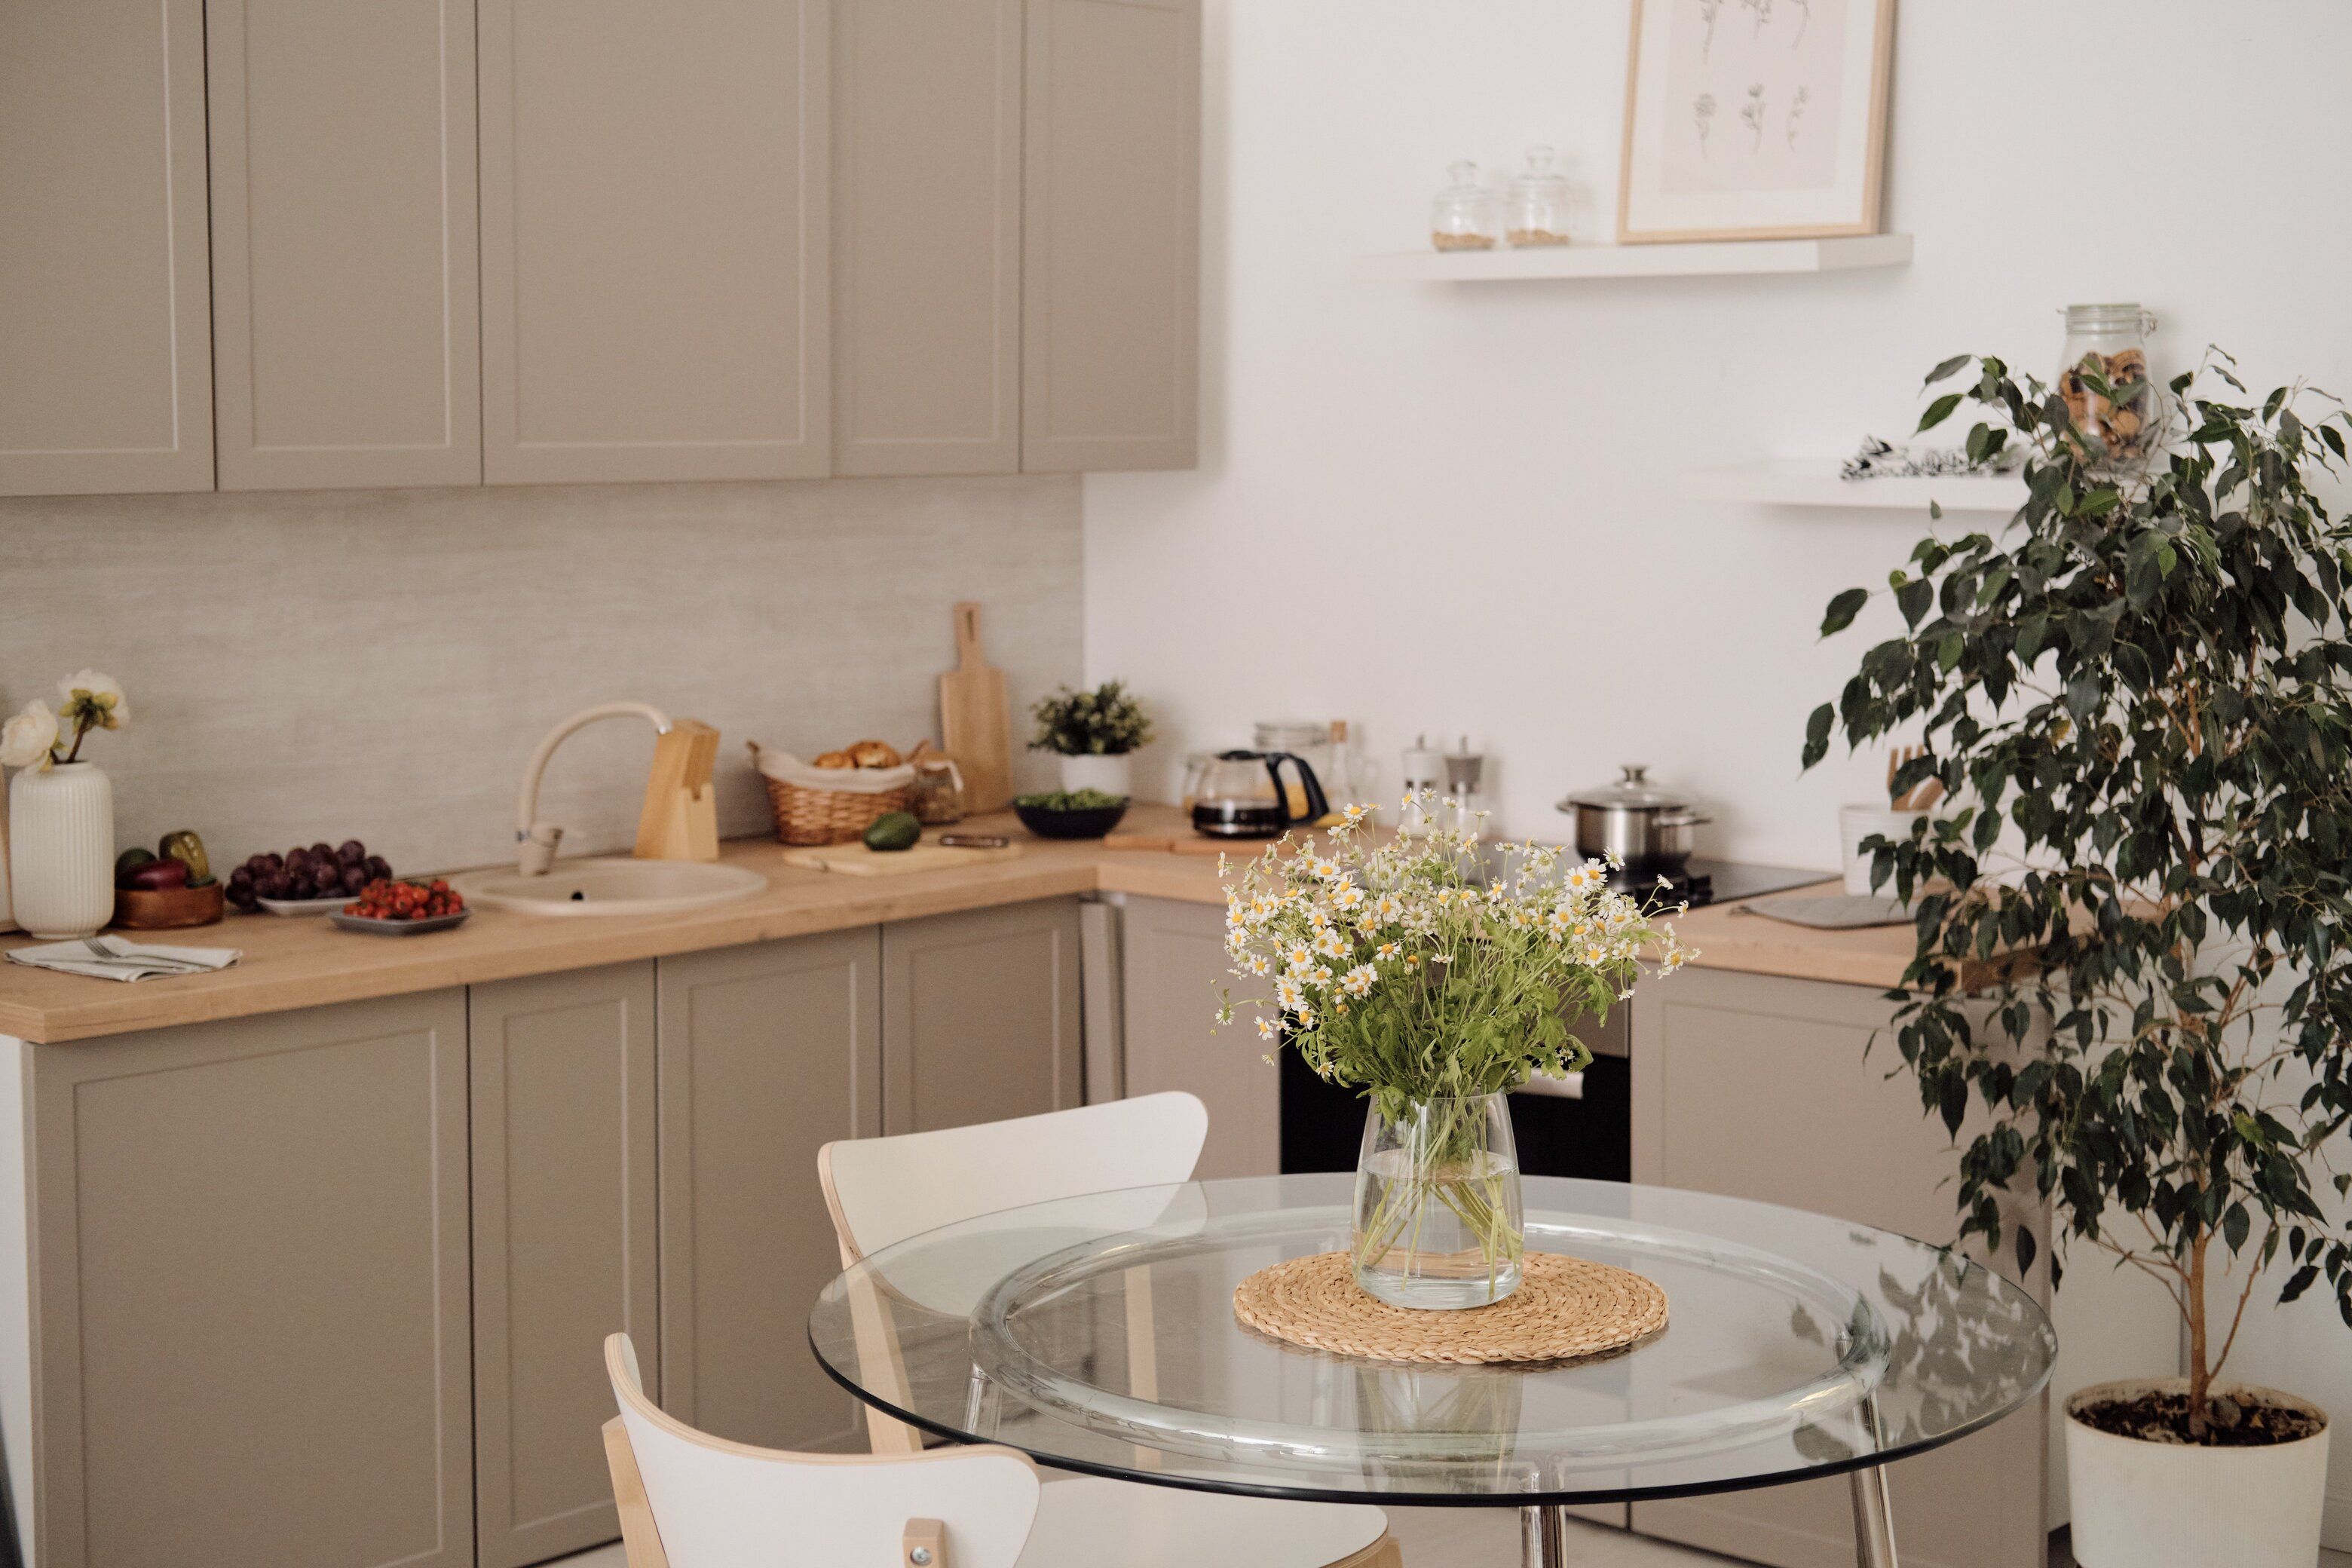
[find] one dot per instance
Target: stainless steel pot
(1647, 827)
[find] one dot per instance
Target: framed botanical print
(1755, 118)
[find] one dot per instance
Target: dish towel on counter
(111, 958)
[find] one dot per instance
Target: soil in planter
(2164, 1418)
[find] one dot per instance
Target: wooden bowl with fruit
(170, 888)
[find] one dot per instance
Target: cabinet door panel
(927, 236)
(1758, 1087)
(1112, 235)
(768, 1052)
(1175, 964)
(654, 240)
(979, 1016)
(563, 1244)
(105, 351)
(345, 309)
(250, 1286)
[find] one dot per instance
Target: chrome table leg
(1542, 1536)
(1873, 1531)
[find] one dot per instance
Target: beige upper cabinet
(927, 236)
(1111, 234)
(655, 297)
(105, 356)
(345, 317)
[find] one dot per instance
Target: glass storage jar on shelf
(2110, 343)
(1536, 209)
(1464, 215)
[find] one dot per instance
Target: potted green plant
(2139, 699)
(1095, 733)
(1401, 972)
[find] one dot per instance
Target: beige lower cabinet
(1758, 1087)
(248, 1287)
(766, 1053)
(563, 1144)
(979, 1016)
(1175, 969)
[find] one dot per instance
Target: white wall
(1453, 508)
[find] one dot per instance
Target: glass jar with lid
(2108, 344)
(1464, 215)
(1536, 206)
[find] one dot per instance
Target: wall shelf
(1729, 260)
(1815, 482)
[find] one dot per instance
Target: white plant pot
(1112, 775)
(2136, 1503)
(61, 844)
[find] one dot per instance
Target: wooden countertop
(291, 963)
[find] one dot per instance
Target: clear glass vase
(1438, 1222)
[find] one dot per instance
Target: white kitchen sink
(613, 885)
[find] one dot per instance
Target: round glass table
(1098, 1334)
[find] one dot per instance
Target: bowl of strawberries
(389, 906)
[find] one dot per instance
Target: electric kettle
(1241, 794)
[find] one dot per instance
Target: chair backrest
(884, 1190)
(718, 1504)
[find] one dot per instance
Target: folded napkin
(113, 958)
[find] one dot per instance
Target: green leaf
(1914, 599)
(1843, 609)
(1940, 411)
(1948, 368)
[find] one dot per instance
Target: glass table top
(1098, 1334)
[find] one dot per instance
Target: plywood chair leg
(925, 1544)
(640, 1540)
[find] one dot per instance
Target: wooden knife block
(680, 819)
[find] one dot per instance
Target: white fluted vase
(61, 850)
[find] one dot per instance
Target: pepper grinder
(1465, 786)
(1423, 770)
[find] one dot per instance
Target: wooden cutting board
(975, 722)
(856, 860)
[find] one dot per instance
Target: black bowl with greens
(1070, 814)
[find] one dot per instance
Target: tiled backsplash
(380, 664)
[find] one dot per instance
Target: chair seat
(1088, 1522)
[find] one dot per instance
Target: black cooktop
(1701, 882)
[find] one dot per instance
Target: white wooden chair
(884, 1190)
(691, 1501)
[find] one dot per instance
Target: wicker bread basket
(809, 815)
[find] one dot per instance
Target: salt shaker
(1466, 773)
(1424, 770)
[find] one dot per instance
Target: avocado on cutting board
(856, 860)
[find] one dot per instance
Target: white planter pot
(61, 846)
(1112, 775)
(2136, 1503)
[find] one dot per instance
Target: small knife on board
(975, 722)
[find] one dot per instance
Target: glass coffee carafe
(1241, 794)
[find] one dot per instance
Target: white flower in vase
(87, 694)
(27, 740)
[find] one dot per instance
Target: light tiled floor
(1490, 1538)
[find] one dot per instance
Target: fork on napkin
(111, 958)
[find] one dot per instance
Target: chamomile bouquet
(1427, 973)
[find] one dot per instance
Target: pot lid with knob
(1633, 792)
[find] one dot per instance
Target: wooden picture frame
(1663, 195)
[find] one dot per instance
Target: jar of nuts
(1536, 207)
(1464, 215)
(2103, 377)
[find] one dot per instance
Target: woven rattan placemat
(1564, 1307)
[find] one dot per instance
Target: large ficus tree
(2132, 945)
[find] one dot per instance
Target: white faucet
(535, 840)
